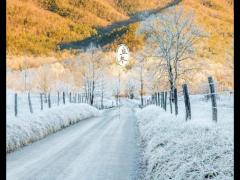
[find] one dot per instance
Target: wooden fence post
(63, 97)
(154, 99)
(49, 101)
(159, 94)
(170, 101)
(162, 101)
(15, 104)
(163, 94)
(158, 99)
(186, 101)
(30, 103)
(213, 98)
(41, 100)
(165, 101)
(175, 100)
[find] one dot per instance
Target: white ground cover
(27, 128)
(23, 104)
(101, 148)
(197, 149)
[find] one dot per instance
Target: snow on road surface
(101, 148)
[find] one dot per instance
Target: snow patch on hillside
(197, 149)
(28, 128)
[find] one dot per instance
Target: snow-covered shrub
(28, 128)
(176, 149)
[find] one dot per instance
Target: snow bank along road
(102, 148)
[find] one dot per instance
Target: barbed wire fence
(207, 92)
(20, 103)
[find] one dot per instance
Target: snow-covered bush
(176, 149)
(28, 128)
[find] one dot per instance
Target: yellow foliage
(216, 18)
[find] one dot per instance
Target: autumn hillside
(216, 18)
(35, 27)
(38, 27)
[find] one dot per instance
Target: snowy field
(172, 147)
(197, 149)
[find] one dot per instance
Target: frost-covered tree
(116, 89)
(91, 61)
(172, 35)
(102, 80)
(42, 77)
(62, 86)
(141, 58)
(130, 88)
(23, 67)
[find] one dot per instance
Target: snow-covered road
(102, 148)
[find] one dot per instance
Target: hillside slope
(216, 18)
(35, 27)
